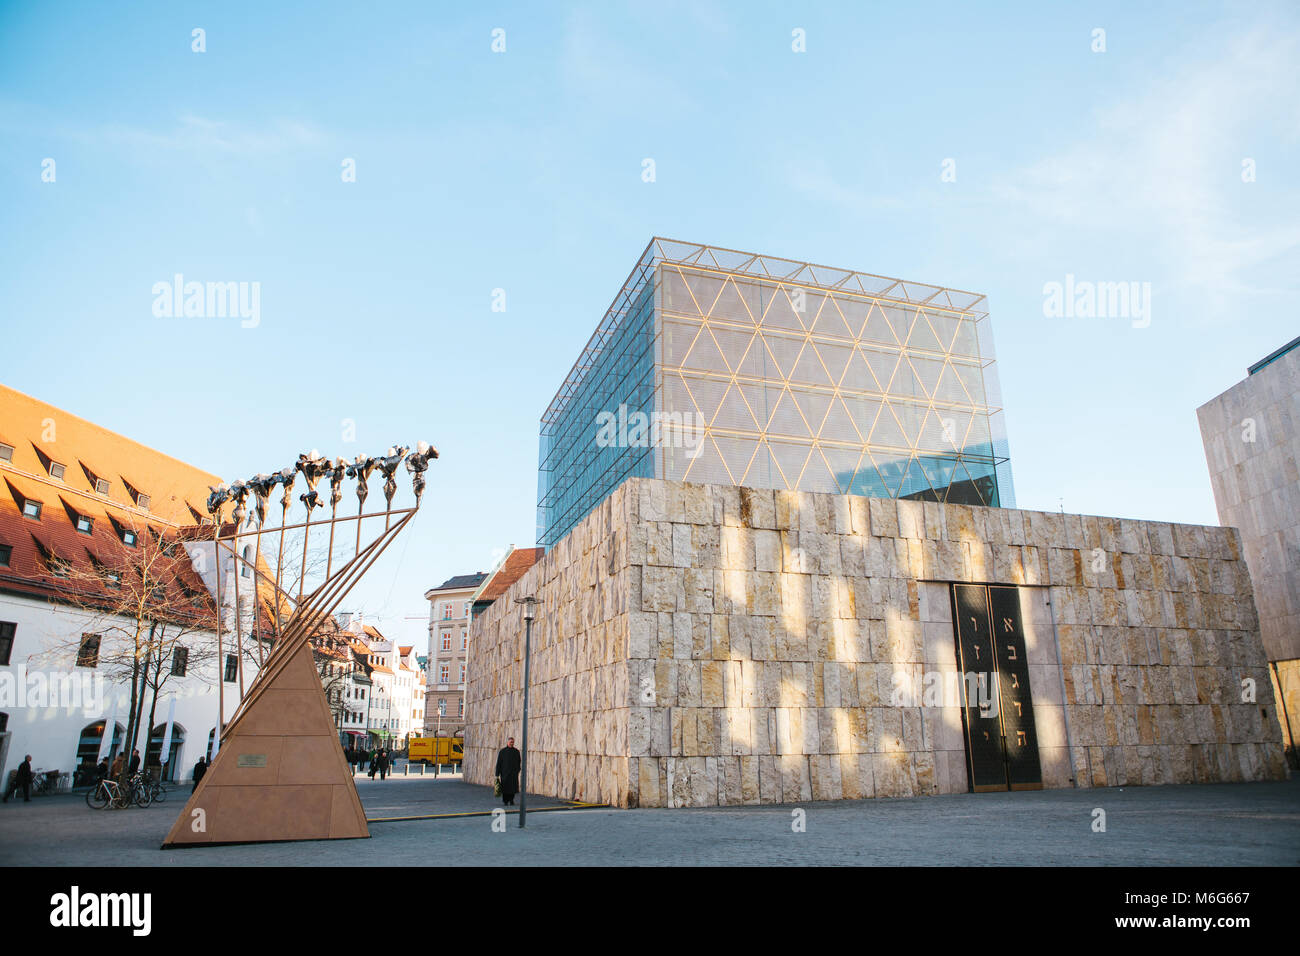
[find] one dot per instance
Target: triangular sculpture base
(280, 775)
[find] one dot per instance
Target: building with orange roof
(396, 705)
(91, 525)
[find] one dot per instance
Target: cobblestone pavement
(1212, 824)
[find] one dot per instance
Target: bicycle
(157, 792)
(109, 793)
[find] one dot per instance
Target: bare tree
(144, 603)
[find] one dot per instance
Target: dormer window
(56, 470)
(128, 537)
(57, 566)
(85, 524)
(101, 486)
(31, 509)
(140, 498)
(6, 452)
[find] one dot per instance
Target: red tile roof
(41, 434)
(513, 568)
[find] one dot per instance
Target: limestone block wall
(710, 645)
(577, 726)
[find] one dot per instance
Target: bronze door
(997, 708)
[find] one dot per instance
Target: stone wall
(705, 645)
(1252, 443)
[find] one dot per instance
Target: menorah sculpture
(279, 773)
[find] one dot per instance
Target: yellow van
(436, 750)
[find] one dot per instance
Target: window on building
(460, 707)
(31, 509)
(7, 629)
(59, 567)
(462, 672)
(6, 555)
(85, 524)
(142, 502)
(444, 673)
(442, 707)
(464, 640)
(6, 452)
(446, 640)
(56, 470)
(101, 486)
(128, 537)
(113, 578)
(88, 653)
(232, 669)
(180, 658)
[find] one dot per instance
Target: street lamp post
(529, 604)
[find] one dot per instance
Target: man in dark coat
(22, 780)
(383, 764)
(200, 769)
(508, 762)
(135, 761)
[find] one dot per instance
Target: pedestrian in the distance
(101, 771)
(22, 780)
(508, 763)
(374, 764)
(118, 763)
(383, 764)
(200, 769)
(135, 761)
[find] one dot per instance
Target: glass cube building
(728, 367)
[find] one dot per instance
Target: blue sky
(521, 171)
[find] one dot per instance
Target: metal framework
(773, 373)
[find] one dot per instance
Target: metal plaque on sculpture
(251, 760)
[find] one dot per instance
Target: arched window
(88, 746)
(172, 759)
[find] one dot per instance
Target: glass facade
(725, 367)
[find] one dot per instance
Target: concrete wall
(703, 645)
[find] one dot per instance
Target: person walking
(200, 769)
(374, 764)
(383, 764)
(22, 779)
(508, 763)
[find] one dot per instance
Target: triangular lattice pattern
(822, 390)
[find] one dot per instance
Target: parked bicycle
(109, 793)
(40, 783)
(157, 790)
